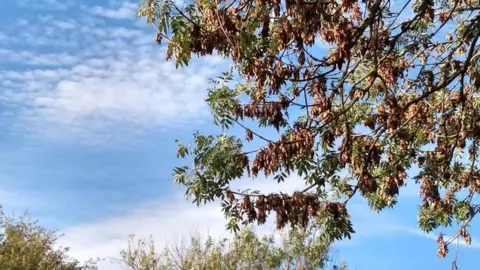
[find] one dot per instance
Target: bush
(295, 249)
(25, 245)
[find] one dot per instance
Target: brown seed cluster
(271, 111)
(281, 153)
(296, 209)
(442, 246)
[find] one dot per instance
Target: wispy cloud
(110, 77)
(36, 59)
(45, 4)
(65, 24)
(447, 237)
(126, 11)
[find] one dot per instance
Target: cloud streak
(461, 242)
(126, 11)
(45, 4)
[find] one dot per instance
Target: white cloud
(68, 24)
(22, 22)
(167, 220)
(91, 85)
(45, 4)
(124, 12)
(131, 88)
(35, 59)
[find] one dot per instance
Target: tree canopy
(359, 93)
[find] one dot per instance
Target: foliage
(298, 249)
(25, 245)
(396, 91)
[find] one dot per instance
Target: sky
(89, 111)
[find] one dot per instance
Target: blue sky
(89, 112)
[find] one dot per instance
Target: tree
(298, 249)
(395, 92)
(25, 245)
